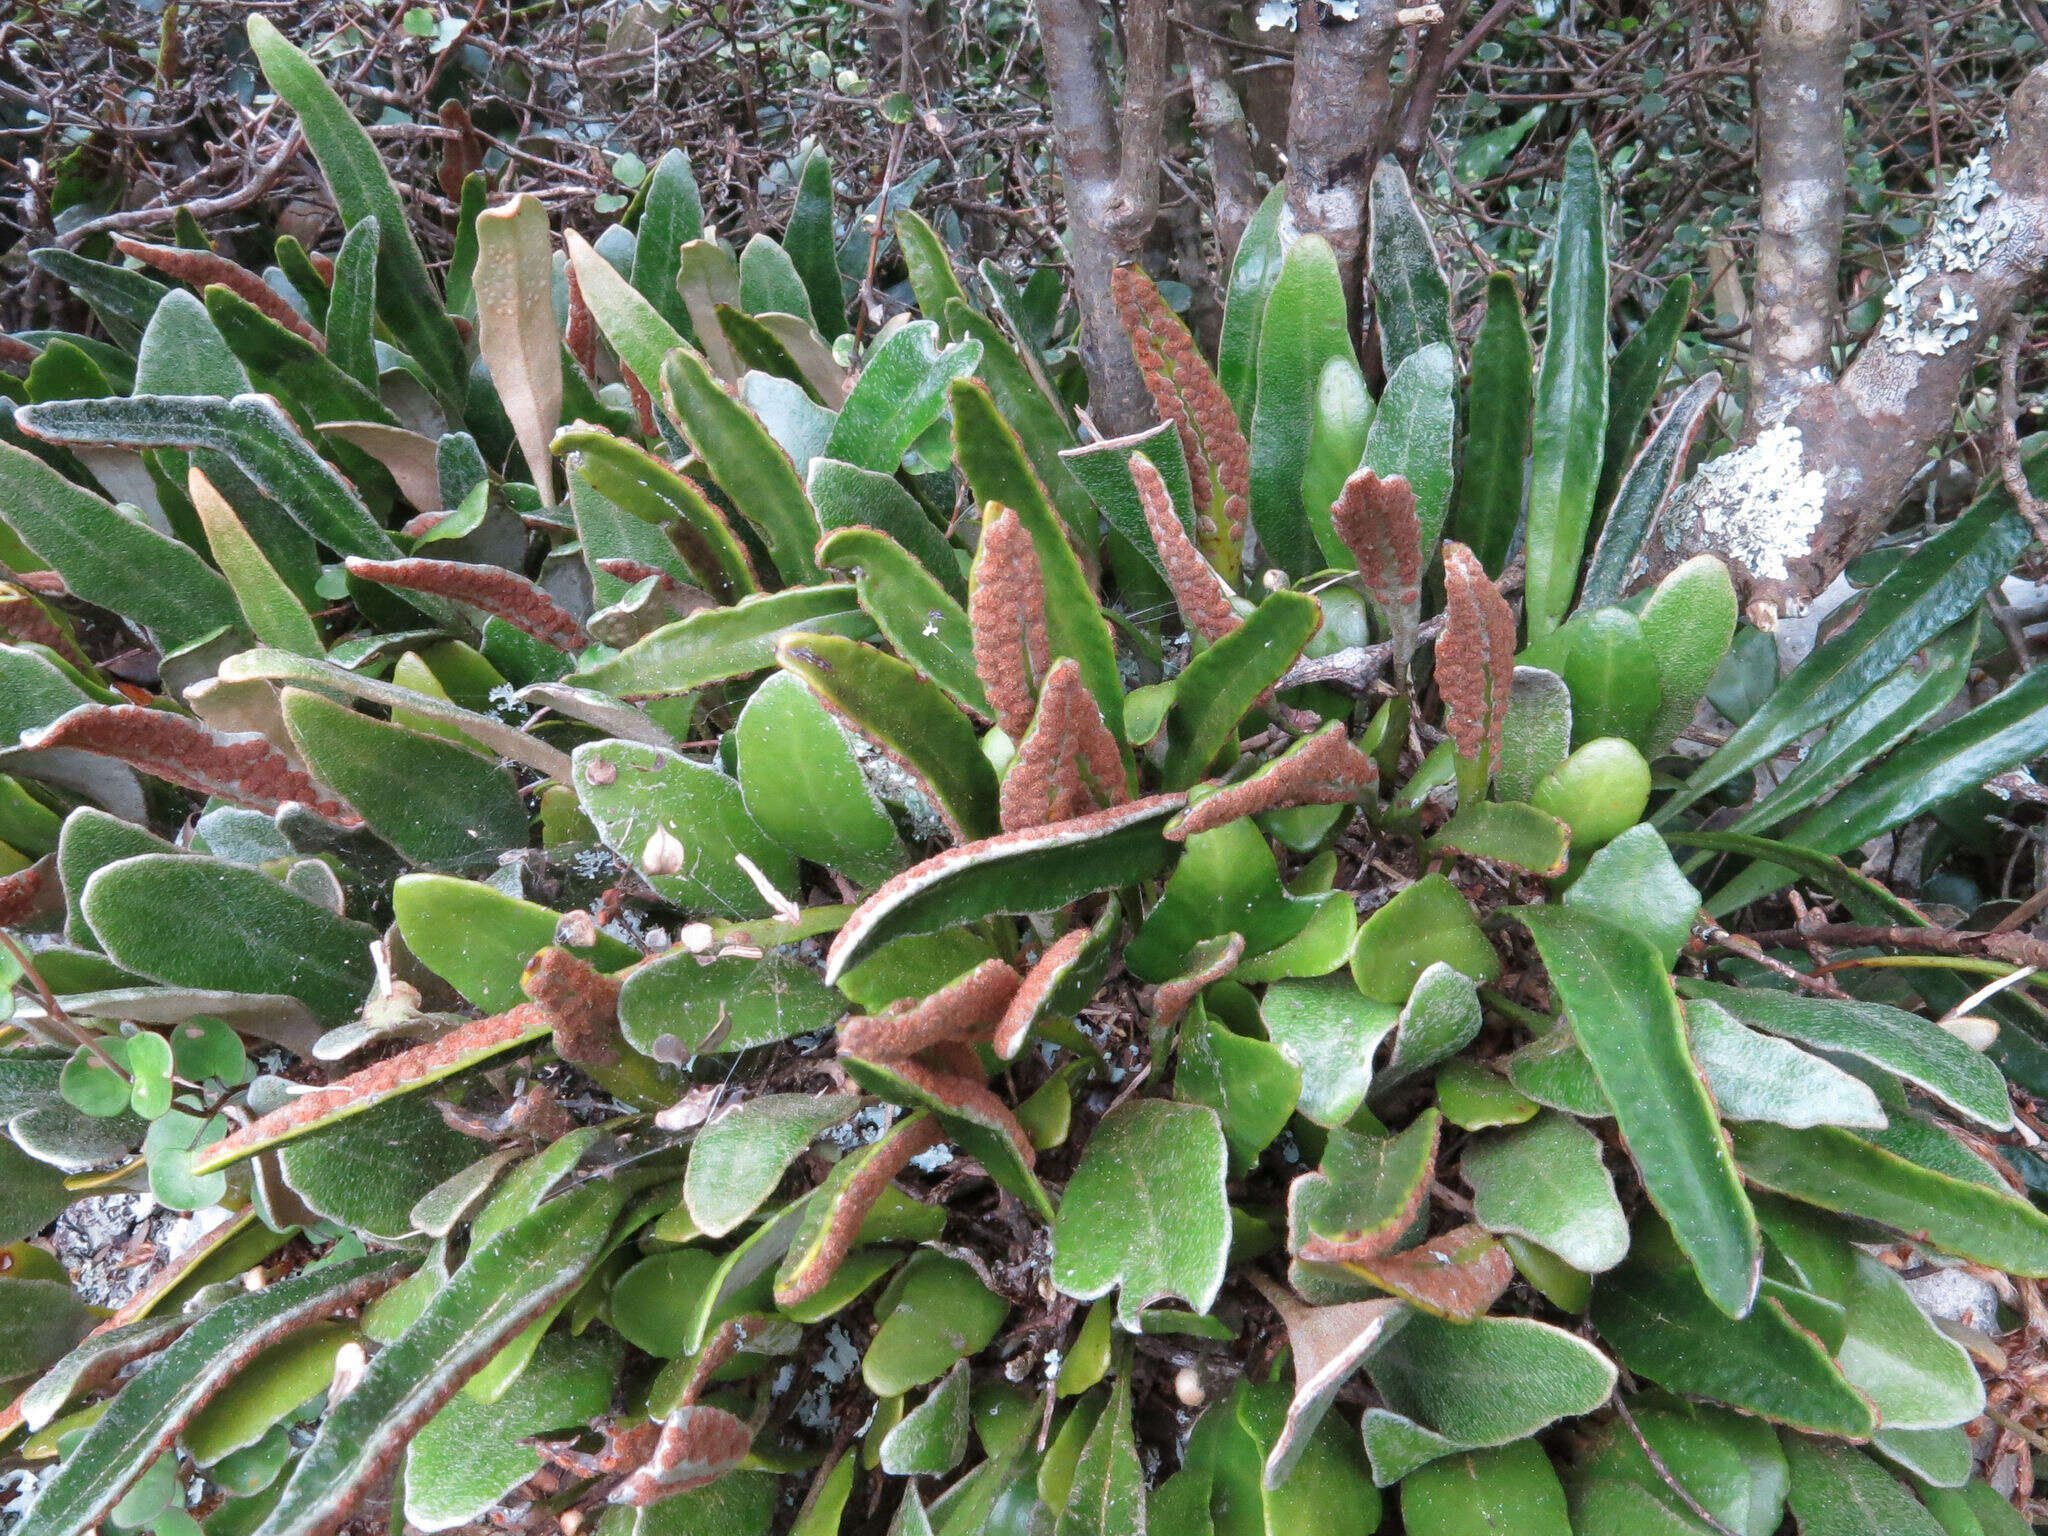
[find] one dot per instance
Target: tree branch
(1219, 118)
(1822, 468)
(1802, 53)
(1335, 121)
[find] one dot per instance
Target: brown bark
(1802, 52)
(1823, 467)
(1335, 123)
(1109, 173)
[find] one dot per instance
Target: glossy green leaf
(1413, 433)
(901, 392)
(1661, 1325)
(918, 615)
(1634, 883)
(1481, 1493)
(1687, 624)
(108, 559)
(1336, 445)
(672, 214)
(1612, 673)
(888, 702)
(804, 788)
(931, 1439)
(1947, 761)
(1145, 1214)
(440, 805)
(250, 430)
(1838, 1490)
(408, 301)
(161, 1397)
(932, 277)
(288, 367)
(1255, 267)
(1639, 371)
(1502, 832)
(937, 1313)
(1842, 1172)
(1368, 1190)
(342, 1167)
(1222, 683)
(737, 1160)
(683, 824)
(1729, 1463)
(200, 922)
(1925, 593)
(1614, 986)
(995, 464)
(718, 644)
(1303, 327)
(40, 1320)
(986, 1137)
(1497, 411)
(1250, 1083)
(121, 297)
(1644, 492)
(479, 940)
(1546, 1181)
(1440, 1018)
(1426, 923)
(672, 1007)
(1571, 392)
(1411, 300)
(1474, 1386)
(847, 496)
(1104, 469)
(1904, 1044)
(635, 328)
(502, 1286)
(273, 613)
(1332, 1031)
(350, 323)
(1030, 404)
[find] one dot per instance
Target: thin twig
(1699, 1510)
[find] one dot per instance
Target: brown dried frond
(1322, 769)
(43, 583)
(952, 1076)
(1068, 764)
(856, 1198)
(244, 769)
(582, 1001)
(382, 1079)
(501, 593)
(461, 152)
(24, 893)
(1475, 654)
(580, 335)
(1457, 1274)
(1006, 606)
(963, 1011)
(1030, 997)
(1376, 520)
(1186, 393)
(25, 621)
(1174, 997)
(1203, 599)
(202, 269)
(698, 1445)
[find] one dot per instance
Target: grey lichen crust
(1969, 223)
(1758, 506)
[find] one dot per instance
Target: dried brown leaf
(1328, 1344)
(580, 335)
(1455, 1275)
(1376, 520)
(698, 1445)
(842, 1224)
(1067, 763)
(1006, 606)
(1186, 393)
(1203, 599)
(462, 151)
(1029, 999)
(27, 892)
(412, 458)
(515, 309)
(963, 1011)
(25, 621)
(501, 593)
(245, 770)
(1322, 769)
(1174, 997)
(582, 1001)
(203, 268)
(1475, 654)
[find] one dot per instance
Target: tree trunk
(1821, 477)
(1219, 118)
(1334, 125)
(1802, 51)
(1109, 173)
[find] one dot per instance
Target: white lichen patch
(1758, 505)
(1968, 224)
